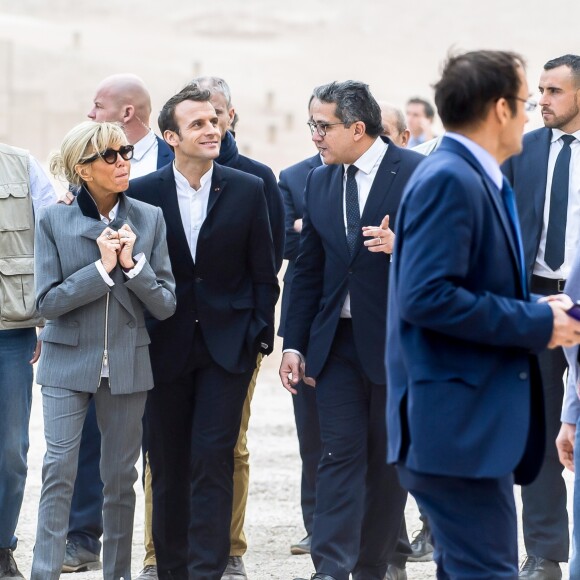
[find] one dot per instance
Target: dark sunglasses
(110, 155)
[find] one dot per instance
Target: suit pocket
(142, 337)
(17, 289)
(60, 334)
(16, 214)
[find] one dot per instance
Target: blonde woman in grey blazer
(100, 264)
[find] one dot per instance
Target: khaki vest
(17, 300)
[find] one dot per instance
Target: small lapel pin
(394, 172)
(216, 188)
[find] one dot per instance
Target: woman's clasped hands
(117, 246)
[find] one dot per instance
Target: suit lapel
(537, 154)
(378, 203)
(218, 182)
(493, 192)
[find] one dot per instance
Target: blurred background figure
(394, 125)
(292, 183)
(420, 116)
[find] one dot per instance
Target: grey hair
(400, 120)
(214, 85)
(354, 102)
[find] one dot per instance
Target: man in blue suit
(551, 234)
(121, 98)
(292, 183)
(465, 411)
(334, 336)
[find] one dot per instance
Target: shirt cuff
(140, 262)
(103, 273)
(295, 352)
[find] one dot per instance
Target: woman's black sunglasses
(110, 155)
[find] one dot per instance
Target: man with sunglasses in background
(546, 180)
(334, 337)
(121, 98)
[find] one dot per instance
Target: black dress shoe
(302, 547)
(537, 568)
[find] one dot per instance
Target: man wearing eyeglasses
(464, 407)
(546, 179)
(121, 98)
(334, 337)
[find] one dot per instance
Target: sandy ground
(273, 519)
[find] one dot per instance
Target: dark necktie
(509, 200)
(352, 209)
(556, 236)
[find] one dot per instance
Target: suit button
(350, 271)
(198, 280)
(197, 321)
(523, 375)
(131, 324)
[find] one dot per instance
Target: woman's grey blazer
(75, 299)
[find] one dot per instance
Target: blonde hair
(80, 143)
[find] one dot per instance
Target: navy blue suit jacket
(465, 394)
(164, 153)
(291, 184)
(231, 289)
(325, 271)
(527, 172)
(231, 157)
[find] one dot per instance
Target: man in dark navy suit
(292, 182)
(121, 98)
(222, 256)
(546, 202)
(334, 336)
(221, 99)
(465, 412)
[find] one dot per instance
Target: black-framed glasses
(529, 104)
(110, 155)
(321, 128)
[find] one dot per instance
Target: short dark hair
(471, 82)
(572, 61)
(427, 106)
(166, 120)
(354, 102)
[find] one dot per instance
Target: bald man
(394, 124)
(121, 98)
(124, 98)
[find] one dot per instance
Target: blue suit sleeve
(439, 231)
(276, 215)
(307, 283)
(292, 241)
